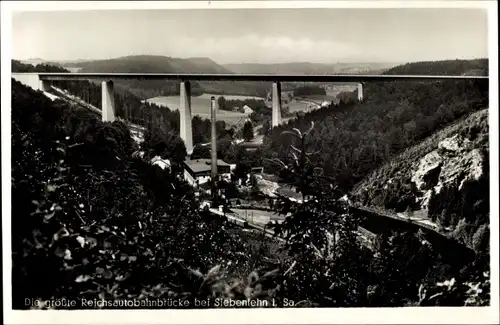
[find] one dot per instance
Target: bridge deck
(247, 77)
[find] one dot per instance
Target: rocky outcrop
(425, 176)
(454, 145)
(454, 161)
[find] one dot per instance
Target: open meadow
(200, 105)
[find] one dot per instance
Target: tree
(433, 205)
(409, 212)
(221, 102)
(309, 90)
(176, 149)
(481, 239)
(248, 131)
(243, 166)
(266, 127)
(225, 149)
(347, 98)
(444, 218)
(200, 152)
(254, 184)
(320, 234)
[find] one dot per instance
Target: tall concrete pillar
(43, 85)
(276, 97)
(214, 137)
(360, 92)
(186, 126)
(108, 101)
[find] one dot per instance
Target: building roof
(203, 165)
(248, 109)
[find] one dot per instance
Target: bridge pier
(32, 80)
(186, 127)
(108, 101)
(43, 85)
(276, 97)
(360, 92)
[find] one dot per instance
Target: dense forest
(478, 67)
(309, 68)
(145, 89)
(90, 221)
(244, 88)
(309, 90)
(17, 66)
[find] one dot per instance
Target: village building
(247, 110)
(198, 171)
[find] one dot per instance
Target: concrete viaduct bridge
(42, 82)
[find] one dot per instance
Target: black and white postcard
(250, 162)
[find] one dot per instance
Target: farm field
(200, 105)
(73, 69)
(228, 97)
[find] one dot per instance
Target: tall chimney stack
(214, 139)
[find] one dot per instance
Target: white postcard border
(409, 315)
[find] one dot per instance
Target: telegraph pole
(214, 139)
(214, 145)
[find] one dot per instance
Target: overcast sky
(255, 35)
